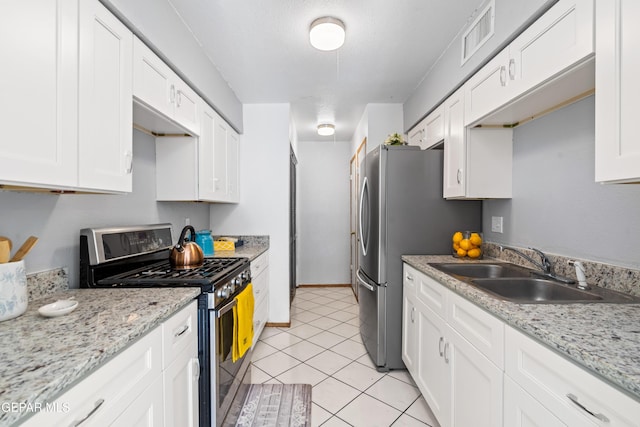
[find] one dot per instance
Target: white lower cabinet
(461, 385)
(473, 370)
(570, 393)
(260, 281)
(135, 388)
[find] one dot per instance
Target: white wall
(323, 206)
(511, 17)
(156, 22)
(377, 122)
(57, 220)
(264, 196)
(557, 206)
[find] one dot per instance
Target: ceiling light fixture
(327, 33)
(326, 129)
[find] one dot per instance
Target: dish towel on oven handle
(242, 323)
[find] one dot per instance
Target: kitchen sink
(521, 285)
(484, 270)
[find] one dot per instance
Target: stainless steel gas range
(138, 256)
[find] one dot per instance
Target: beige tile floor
(323, 348)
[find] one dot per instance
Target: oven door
(229, 375)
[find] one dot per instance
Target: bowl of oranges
(467, 244)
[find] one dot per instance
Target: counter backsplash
(604, 275)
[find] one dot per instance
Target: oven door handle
(226, 308)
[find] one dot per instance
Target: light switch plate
(496, 224)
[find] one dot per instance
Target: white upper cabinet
(477, 162)
(549, 60)
(430, 131)
(105, 108)
(68, 122)
(165, 104)
(617, 71)
(39, 112)
(208, 165)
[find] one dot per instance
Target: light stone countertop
(41, 357)
(603, 338)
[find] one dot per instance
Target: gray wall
(323, 208)
(156, 22)
(557, 206)
(57, 219)
(511, 17)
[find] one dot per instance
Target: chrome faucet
(545, 266)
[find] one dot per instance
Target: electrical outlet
(496, 224)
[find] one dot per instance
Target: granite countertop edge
(578, 332)
(134, 313)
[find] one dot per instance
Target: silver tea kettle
(186, 253)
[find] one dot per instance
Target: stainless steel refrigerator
(401, 212)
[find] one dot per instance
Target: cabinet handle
(96, 406)
(512, 69)
(459, 176)
(573, 398)
(503, 75)
(184, 329)
(446, 353)
(172, 94)
(128, 155)
(196, 368)
(413, 314)
(440, 346)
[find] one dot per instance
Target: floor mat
(275, 405)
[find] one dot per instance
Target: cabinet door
(152, 79)
(105, 93)
(181, 390)
(522, 410)
(487, 89)
(220, 159)
(233, 166)
(454, 146)
(409, 337)
(187, 106)
(476, 385)
(434, 127)
(617, 71)
(559, 39)
(145, 410)
(39, 82)
(416, 135)
(432, 371)
(206, 155)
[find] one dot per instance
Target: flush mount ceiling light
(326, 129)
(326, 33)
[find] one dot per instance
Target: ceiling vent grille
(480, 30)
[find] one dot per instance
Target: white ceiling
(261, 48)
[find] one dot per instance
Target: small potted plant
(394, 139)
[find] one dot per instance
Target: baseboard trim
(278, 324)
(325, 285)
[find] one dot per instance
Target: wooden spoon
(24, 249)
(4, 251)
(8, 240)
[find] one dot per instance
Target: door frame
(354, 191)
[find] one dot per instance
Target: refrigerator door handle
(364, 282)
(365, 183)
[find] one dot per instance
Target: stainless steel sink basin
(533, 290)
(521, 285)
(483, 270)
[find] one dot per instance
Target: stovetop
(212, 272)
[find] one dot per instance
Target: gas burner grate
(161, 273)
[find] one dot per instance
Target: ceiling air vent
(480, 30)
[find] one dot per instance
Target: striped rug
(274, 405)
